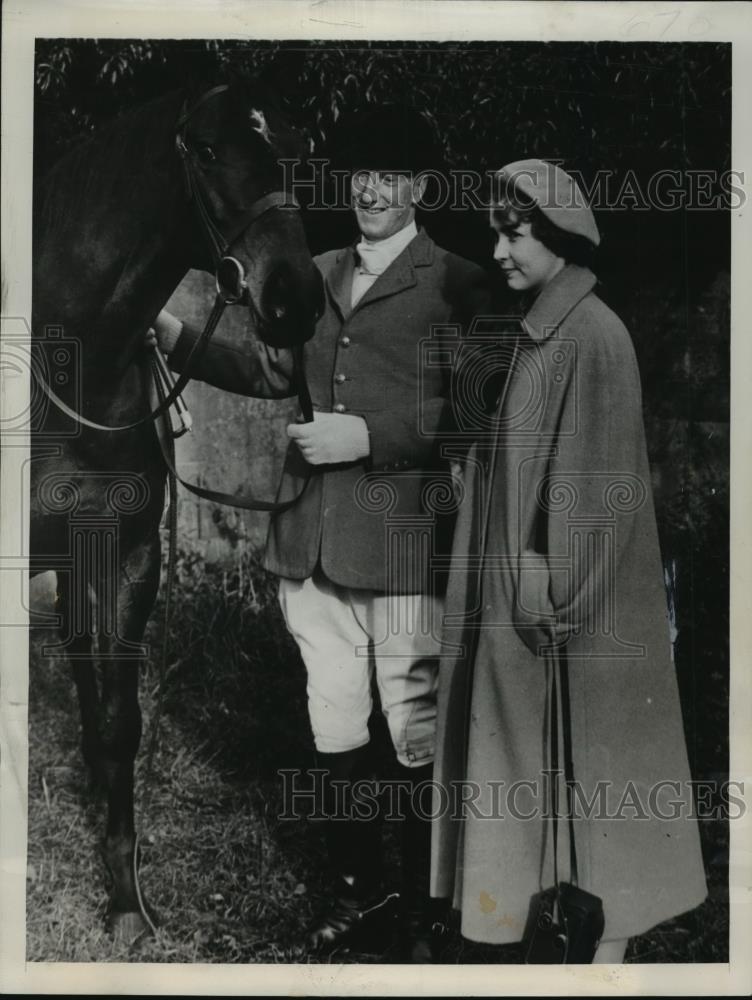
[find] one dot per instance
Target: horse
(182, 182)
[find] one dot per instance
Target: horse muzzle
(290, 306)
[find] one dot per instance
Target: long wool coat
(369, 361)
(558, 523)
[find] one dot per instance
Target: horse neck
(112, 255)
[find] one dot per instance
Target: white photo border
(462, 20)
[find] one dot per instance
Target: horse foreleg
(128, 915)
(73, 605)
(120, 732)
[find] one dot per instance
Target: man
(371, 451)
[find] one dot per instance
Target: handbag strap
(566, 724)
(559, 690)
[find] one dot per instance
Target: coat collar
(557, 300)
(399, 276)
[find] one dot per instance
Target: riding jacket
(377, 522)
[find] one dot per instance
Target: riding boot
(362, 913)
(418, 938)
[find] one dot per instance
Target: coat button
(345, 341)
(340, 377)
(340, 408)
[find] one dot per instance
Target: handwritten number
(648, 23)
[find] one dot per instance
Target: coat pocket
(534, 615)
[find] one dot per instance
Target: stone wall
(237, 444)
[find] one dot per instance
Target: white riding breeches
(344, 636)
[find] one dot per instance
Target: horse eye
(205, 153)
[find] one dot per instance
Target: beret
(554, 192)
(391, 137)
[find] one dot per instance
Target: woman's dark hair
(574, 249)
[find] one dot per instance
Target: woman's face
(526, 263)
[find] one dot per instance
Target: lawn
(230, 881)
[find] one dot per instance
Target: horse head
(248, 229)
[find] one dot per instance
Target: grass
(230, 881)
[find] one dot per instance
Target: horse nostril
(290, 299)
(275, 296)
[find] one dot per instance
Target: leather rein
(218, 243)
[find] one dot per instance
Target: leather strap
(218, 496)
(229, 499)
(167, 444)
(566, 724)
(195, 188)
(187, 112)
(559, 689)
(301, 383)
(195, 355)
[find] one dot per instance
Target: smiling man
(347, 599)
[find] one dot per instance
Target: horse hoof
(129, 916)
(128, 928)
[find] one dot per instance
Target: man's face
(383, 202)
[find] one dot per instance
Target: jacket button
(345, 341)
(340, 408)
(340, 377)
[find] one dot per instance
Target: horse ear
(199, 84)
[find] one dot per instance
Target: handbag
(565, 923)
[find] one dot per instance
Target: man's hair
(510, 213)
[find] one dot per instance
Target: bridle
(230, 279)
(229, 272)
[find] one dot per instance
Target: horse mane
(140, 138)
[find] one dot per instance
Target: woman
(557, 518)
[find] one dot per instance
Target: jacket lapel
(557, 300)
(339, 281)
(400, 274)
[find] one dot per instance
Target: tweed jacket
(368, 523)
